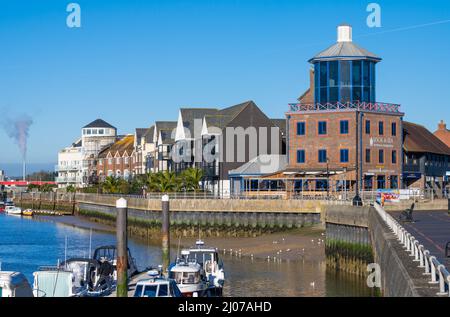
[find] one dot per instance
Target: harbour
(29, 243)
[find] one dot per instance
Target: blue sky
(133, 62)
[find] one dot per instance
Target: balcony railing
(338, 106)
(61, 168)
(69, 179)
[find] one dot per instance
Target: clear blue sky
(134, 62)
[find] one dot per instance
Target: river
(26, 244)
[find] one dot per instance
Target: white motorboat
(13, 210)
(189, 276)
(14, 284)
(208, 258)
(109, 253)
(156, 285)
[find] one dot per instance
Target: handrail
(437, 271)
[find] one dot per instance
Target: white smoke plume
(18, 129)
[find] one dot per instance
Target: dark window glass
(334, 94)
(300, 156)
(366, 96)
(394, 128)
(317, 75)
(367, 155)
(381, 128)
(372, 82)
(322, 156)
(345, 83)
(357, 93)
(321, 185)
(333, 69)
(163, 290)
(323, 95)
(381, 182)
(368, 182)
(394, 182)
(356, 73)
(344, 126)
(381, 156)
(367, 126)
(150, 291)
(322, 127)
(301, 128)
(344, 156)
(138, 291)
(394, 157)
(323, 74)
(366, 74)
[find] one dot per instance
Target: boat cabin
(14, 284)
(157, 286)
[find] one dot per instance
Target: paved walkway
(432, 229)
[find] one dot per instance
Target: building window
(381, 156)
(367, 126)
(301, 128)
(367, 155)
(101, 131)
(344, 155)
(118, 160)
(344, 126)
(322, 156)
(300, 156)
(381, 128)
(126, 160)
(381, 182)
(394, 157)
(88, 131)
(394, 128)
(394, 182)
(110, 161)
(100, 162)
(322, 127)
(368, 182)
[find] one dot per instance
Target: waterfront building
(202, 132)
(138, 157)
(163, 139)
(344, 139)
(426, 161)
(70, 166)
(2, 175)
(95, 136)
(443, 133)
(117, 159)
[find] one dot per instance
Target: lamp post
(328, 179)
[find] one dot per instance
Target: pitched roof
(125, 144)
(148, 135)
(344, 50)
(99, 123)
(262, 164)
(418, 139)
(139, 133)
(166, 128)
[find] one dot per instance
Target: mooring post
(122, 247)
(165, 232)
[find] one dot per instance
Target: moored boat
(13, 210)
(14, 284)
(156, 285)
(189, 276)
(208, 258)
(2, 207)
(28, 212)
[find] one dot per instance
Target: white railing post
(441, 280)
(433, 270)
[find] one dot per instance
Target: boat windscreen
(150, 291)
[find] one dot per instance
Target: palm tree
(111, 185)
(192, 178)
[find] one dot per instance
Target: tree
(192, 178)
(111, 185)
(71, 189)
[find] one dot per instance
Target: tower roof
(344, 48)
(99, 123)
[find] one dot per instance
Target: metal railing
(345, 106)
(432, 267)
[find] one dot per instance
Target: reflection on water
(26, 244)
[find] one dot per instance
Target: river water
(26, 244)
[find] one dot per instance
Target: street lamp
(328, 179)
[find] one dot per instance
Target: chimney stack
(344, 33)
(442, 126)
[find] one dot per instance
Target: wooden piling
(165, 232)
(122, 247)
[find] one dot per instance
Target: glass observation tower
(344, 72)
